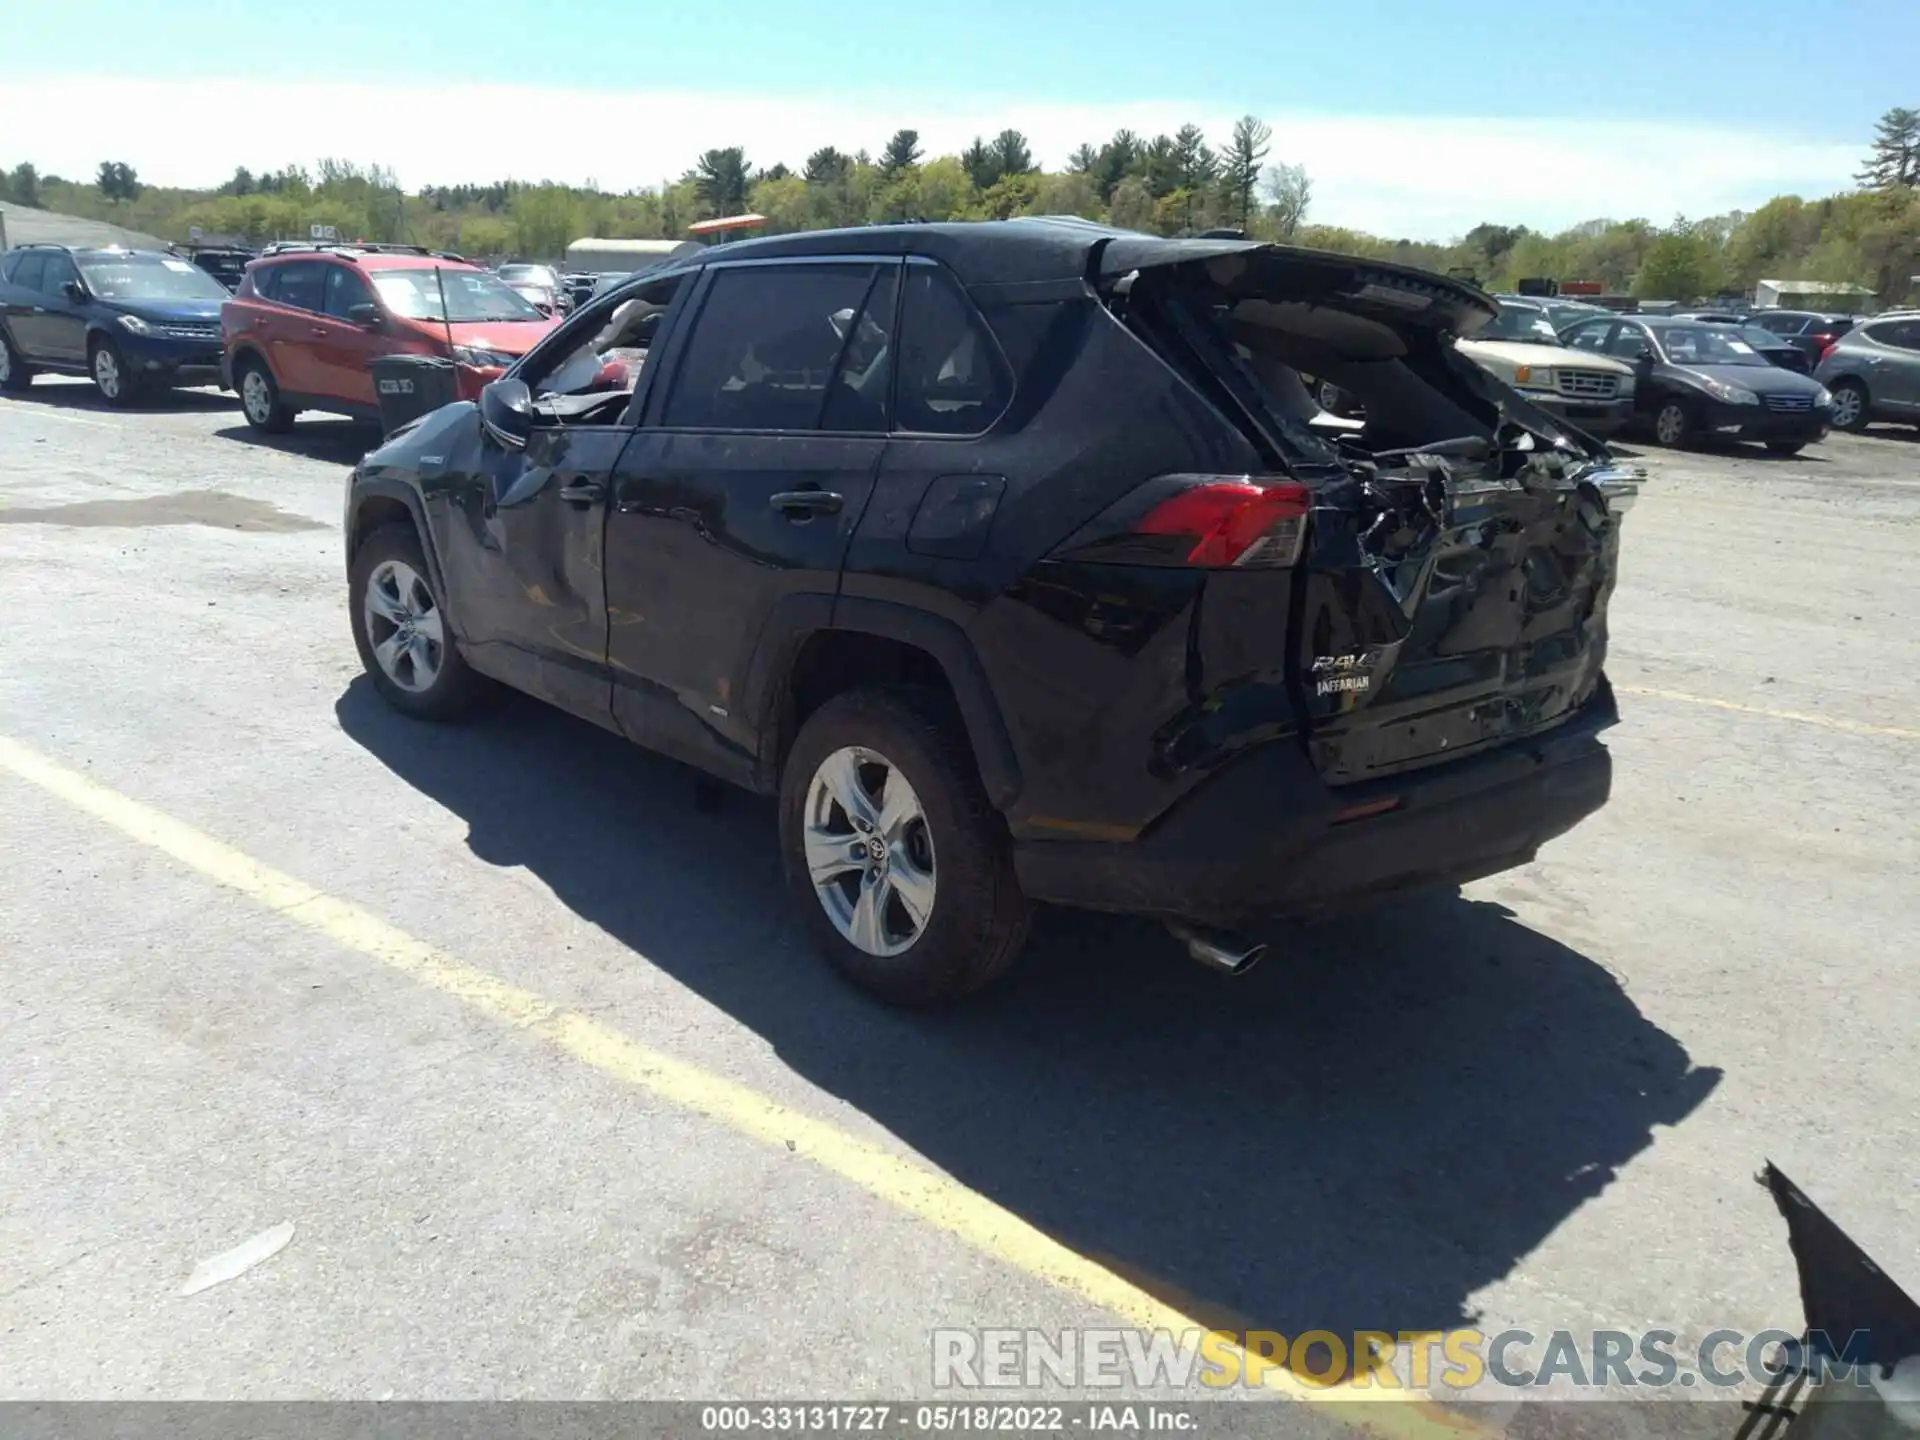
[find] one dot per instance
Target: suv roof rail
(355, 247)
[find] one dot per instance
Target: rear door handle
(583, 492)
(799, 504)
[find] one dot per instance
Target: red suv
(307, 323)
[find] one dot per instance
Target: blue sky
(1707, 101)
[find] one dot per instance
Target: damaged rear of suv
(1363, 659)
(1016, 559)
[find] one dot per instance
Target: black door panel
(767, 422)
(60, 327)
(708, 533)
(522, 551)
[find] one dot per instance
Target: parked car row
(1607, 373)
(1867, 366)
(1696, 379)
(306, 329)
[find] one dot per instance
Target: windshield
(148, 277)
(1707, 345)
(1521, 322)
(528, 275)
(1565, 315)
(414, 294)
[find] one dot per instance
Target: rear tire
(1786, 447)
(260, 398)
(118, 385)
(952, 843)
(15, 375)
(1850, 406)
(1673, 424)
(401, 631)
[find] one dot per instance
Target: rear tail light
(1226, 521)
(1827, 345)
(1365, 810)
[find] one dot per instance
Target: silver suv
(1874, 371)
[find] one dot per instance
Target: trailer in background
(1824, 296)
(589, 256)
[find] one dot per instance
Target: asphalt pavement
(534, 1059)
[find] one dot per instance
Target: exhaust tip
(1220, 950)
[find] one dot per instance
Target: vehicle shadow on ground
(78, 394)
(333, 442)
(1757, 451)
(1906, 434)
(1385, 1117)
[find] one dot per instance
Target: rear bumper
(1596, 417)
(1264, 839)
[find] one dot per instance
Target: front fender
(374, 501)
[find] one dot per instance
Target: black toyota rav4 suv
(1015, 559)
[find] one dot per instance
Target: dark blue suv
(133, 320)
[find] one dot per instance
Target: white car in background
(1583, 387)
(539, 284)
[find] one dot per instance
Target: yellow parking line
(1830, 722)
(903, 1183)
(47, 413)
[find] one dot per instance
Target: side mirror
(1643, 361)
(506, 413)
(74, 291)
(367, 316)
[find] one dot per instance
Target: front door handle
(802, 504)
(583, 492)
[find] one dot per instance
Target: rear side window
(344, 290)
(1589, 337)
(1781, 324)
(27, 270)
(1630, 343)
(766, 343)
(858, 399)
(1901, 334)
(952, 378)
(299, 283)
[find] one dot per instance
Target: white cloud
(1423, 178)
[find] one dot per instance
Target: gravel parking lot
(1537, 1104)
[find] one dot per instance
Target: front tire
(893, 852)
(1850, 408)
(118, 385)
(260, 398)
(1673, 424)
(15, 375)
(400, 630)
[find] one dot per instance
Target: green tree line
(1178, 183)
